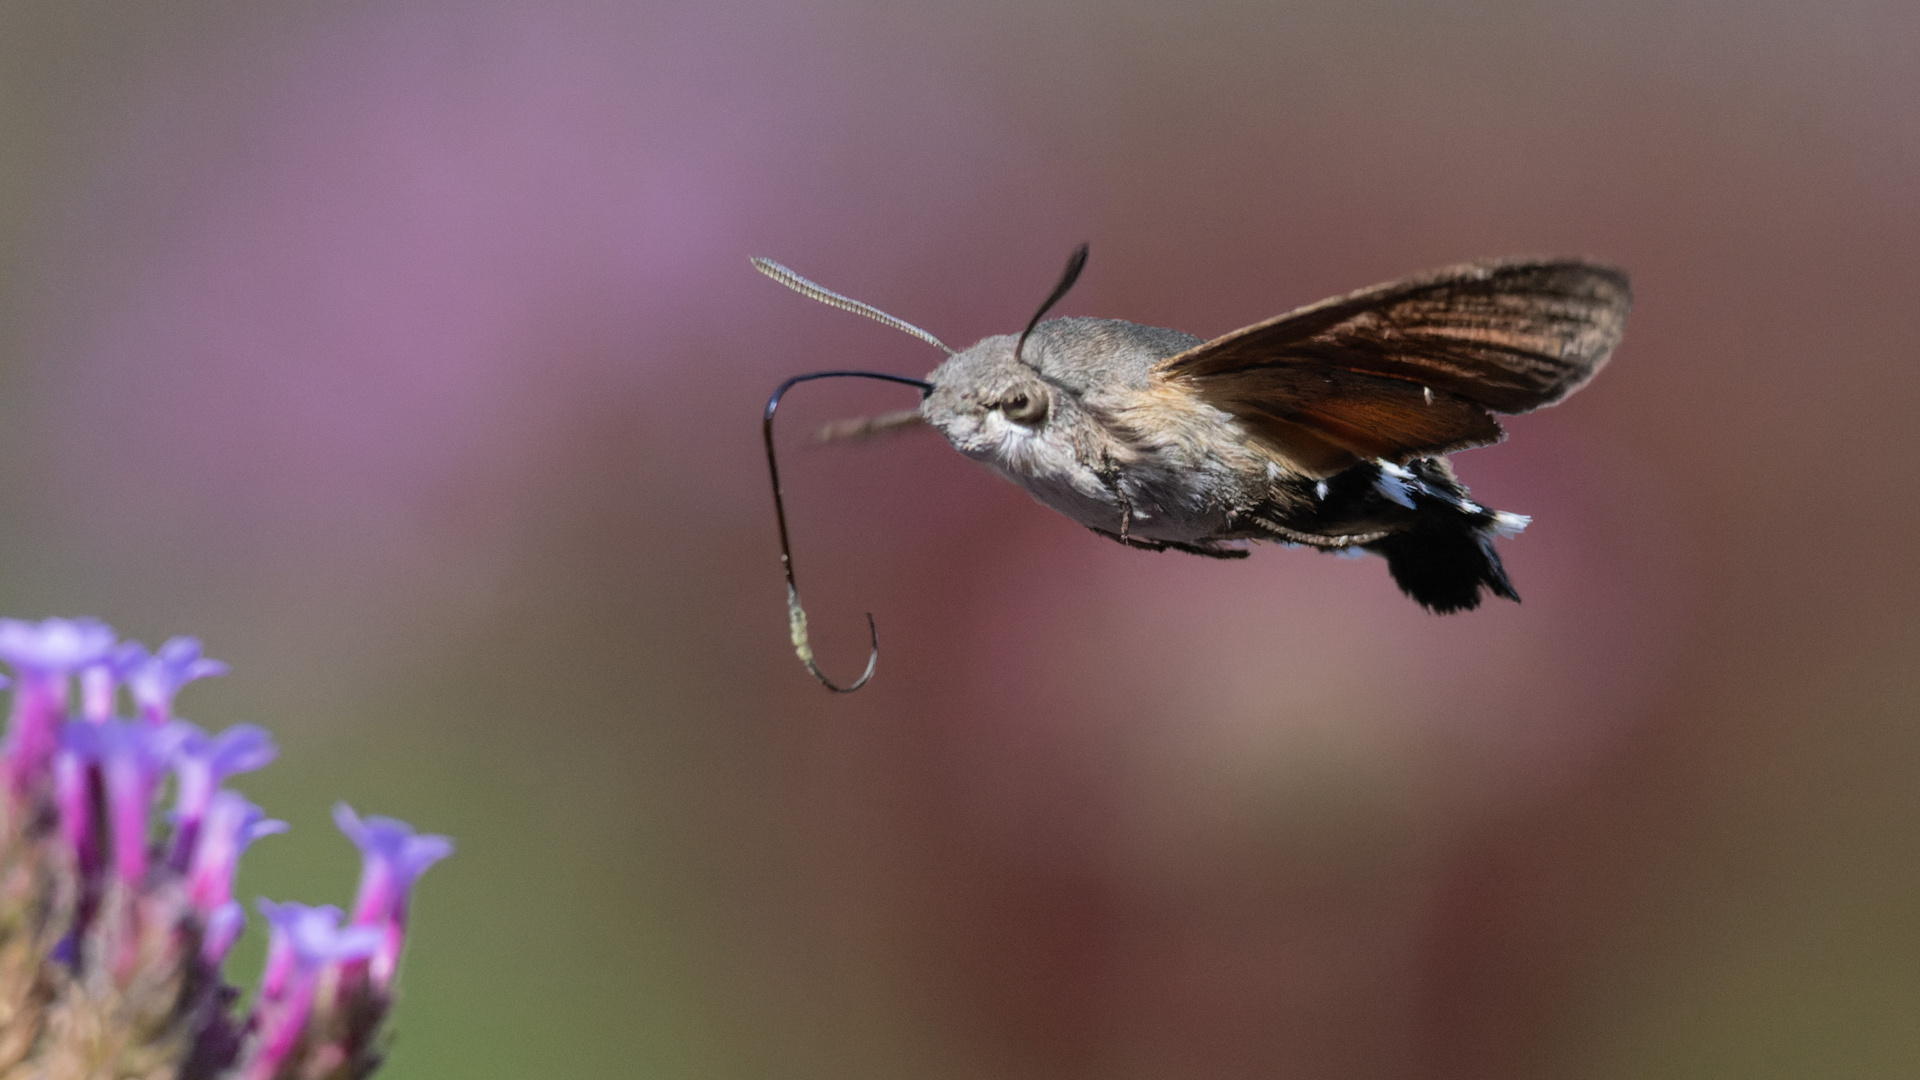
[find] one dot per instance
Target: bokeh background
(407, 352)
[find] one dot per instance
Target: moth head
(993, 401)
(988, 404)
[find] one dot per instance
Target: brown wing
(1415, 367)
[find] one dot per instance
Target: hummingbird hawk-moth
(1326, 427)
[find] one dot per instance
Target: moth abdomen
(1443, 555)
(1443, 563)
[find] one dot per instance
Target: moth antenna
(1075, 263)
(797, 615)
(845, 303)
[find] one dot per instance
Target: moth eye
(1025, 410)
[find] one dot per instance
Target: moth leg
(1110, 475)
(1143, 545)
(866, 427)
(1307, 539)
(1210, 551)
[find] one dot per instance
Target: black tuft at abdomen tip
(1444, 561)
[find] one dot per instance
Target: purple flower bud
(224, 924)
(393, 858)
(202, 763)
(44, 654)
(74, 777)
(303, 940)
(157, 679)
(132, 758)
(100, 680)
(232, 823)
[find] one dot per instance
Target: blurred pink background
(409, 354)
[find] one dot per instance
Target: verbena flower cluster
(116, 916)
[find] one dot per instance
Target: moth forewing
(1413, 368)
(1510, 334)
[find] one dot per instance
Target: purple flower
(86, 781)
(303, 941)
(155, 680)
(58, 646)
(394, 857)
(132, 758)
(123, 761)
(232, 824)
(202, 763)
(101, 679)
(44, 654)
(304, 937)
(224, 924)
(74, 777)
